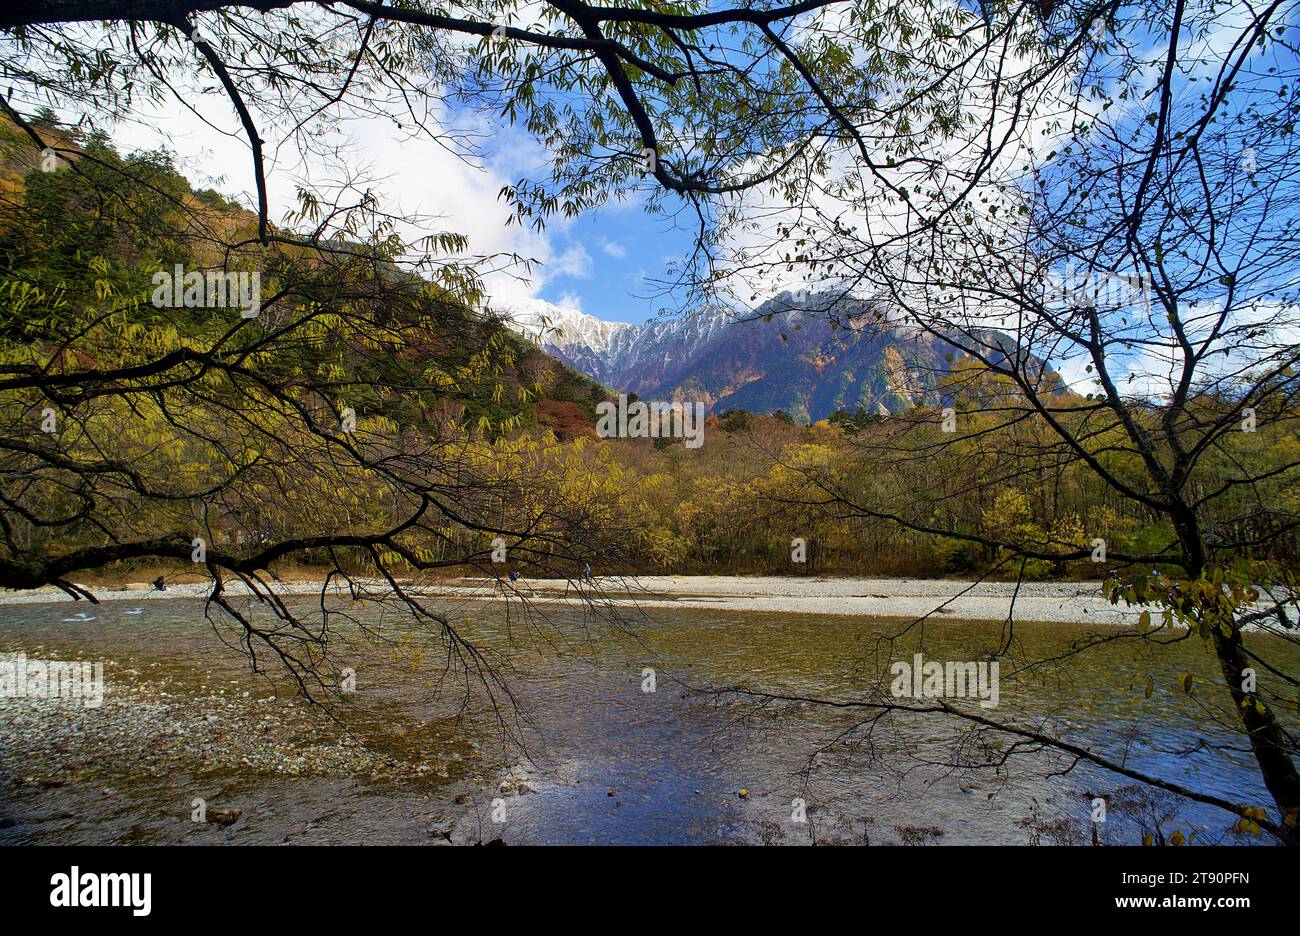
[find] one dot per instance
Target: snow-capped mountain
(550, 324)
(631, 358)
(778, 358)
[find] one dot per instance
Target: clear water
(608, 762)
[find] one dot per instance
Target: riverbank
(1053, 602)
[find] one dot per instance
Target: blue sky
(626, 250)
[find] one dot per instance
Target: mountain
(779, 358)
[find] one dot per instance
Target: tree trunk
(1267, 739)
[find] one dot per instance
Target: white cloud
(614, 249)
(575, 262)
(571, 302)
(413, 177)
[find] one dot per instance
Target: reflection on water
(599, 760)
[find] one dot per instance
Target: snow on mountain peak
(563, 327)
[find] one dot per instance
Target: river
(575, 750)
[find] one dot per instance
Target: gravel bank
(268, 769)
(1064, 602)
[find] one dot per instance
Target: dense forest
(735, 504)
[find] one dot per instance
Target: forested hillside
(352, 403)
(92, 239)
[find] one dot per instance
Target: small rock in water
(230, 817)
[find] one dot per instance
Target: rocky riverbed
(164, 738)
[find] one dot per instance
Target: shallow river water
(579, 752)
